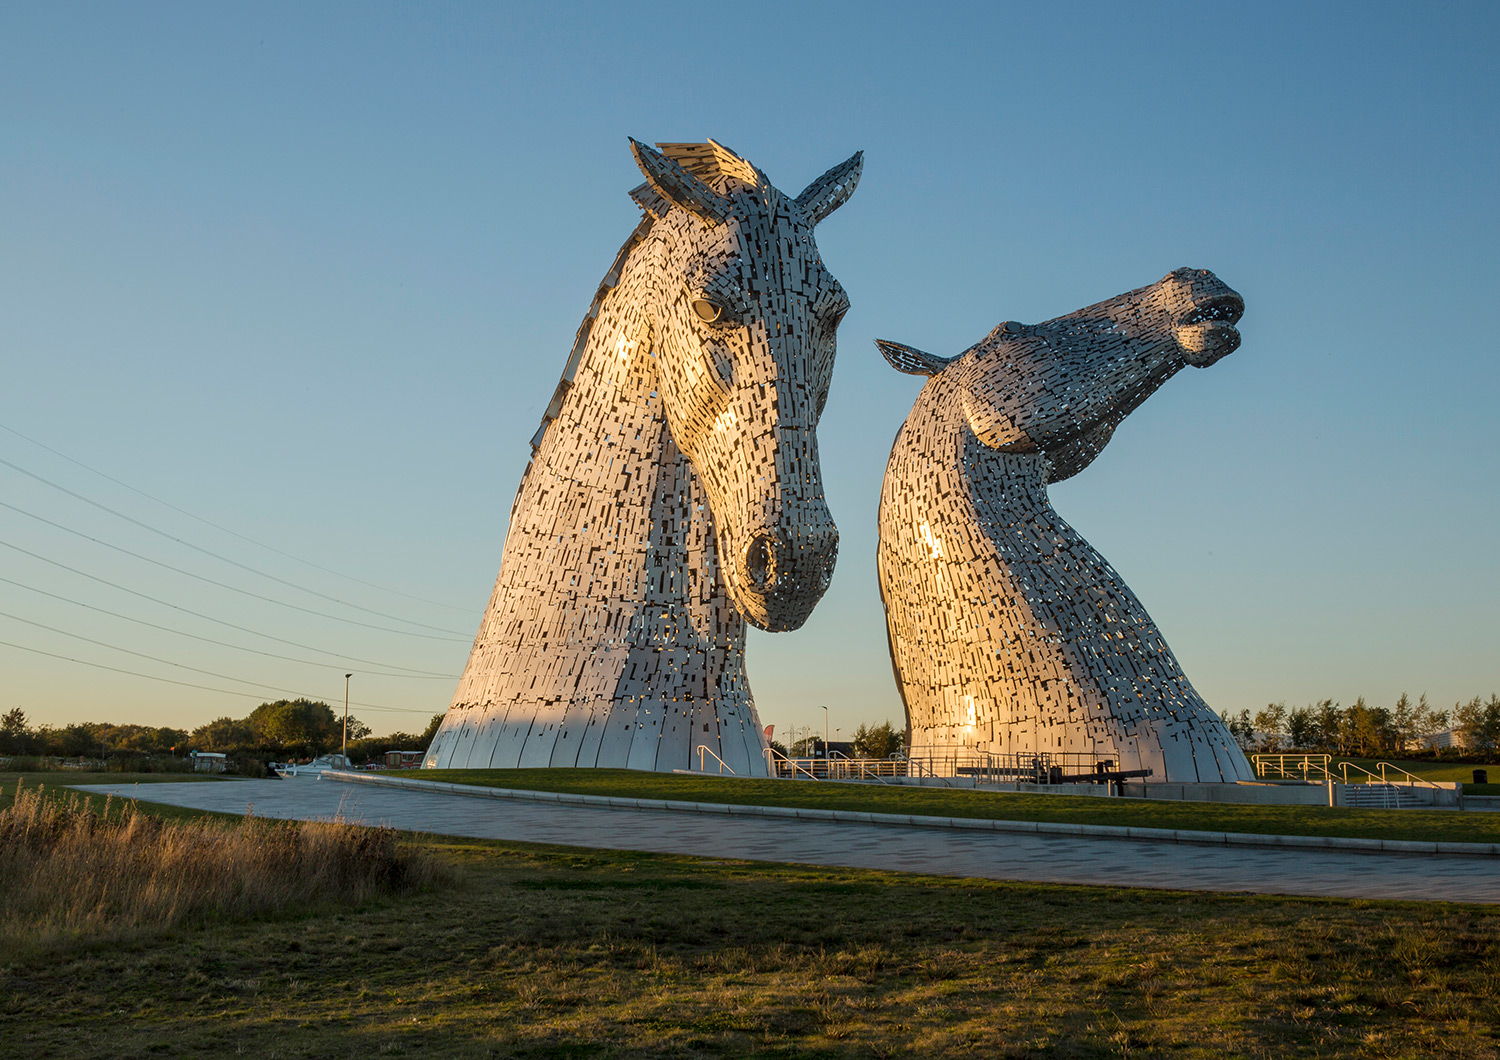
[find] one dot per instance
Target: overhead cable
(222, 643)
(225, 529)
(190, 684)
(214, 555)
(455, 637)
(210, 618)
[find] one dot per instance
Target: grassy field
(1444, 825)
(1426, 768)
(76, 867)
(56, 782)
(1430, 769)
(543, 952)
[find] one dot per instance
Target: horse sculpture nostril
(760, 561)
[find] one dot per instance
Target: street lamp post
(825, 732)
(346, 718)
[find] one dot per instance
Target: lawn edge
(1099, 831)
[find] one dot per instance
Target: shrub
(71, 871)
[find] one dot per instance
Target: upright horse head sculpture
(743, 328)
(674, 489)
(1008, 632)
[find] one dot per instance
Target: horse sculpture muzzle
(1207, 331)
(787, 569)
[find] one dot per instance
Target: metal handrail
(775, 754)
(1344, 771)
(703, 749)
(1398, 769)
(864, 771)
(1286, 765)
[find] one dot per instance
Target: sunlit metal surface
(674, 491)
(1008, 632)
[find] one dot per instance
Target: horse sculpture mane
(1009, 634)
(673, 491)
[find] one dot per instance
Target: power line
(232, 588)
(226, 530)
(220, 643)
(190, 684)
(215, 555)
(210, 618)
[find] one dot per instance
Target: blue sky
(310, 272)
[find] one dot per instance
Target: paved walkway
(945, 852)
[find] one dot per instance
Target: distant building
(1448, 739)
(208, 762)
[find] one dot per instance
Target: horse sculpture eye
(707, 311)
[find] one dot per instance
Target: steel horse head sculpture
(674, 491)
(1009, 634)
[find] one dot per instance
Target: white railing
(1313, 768)
(1371, 778)
(987, 767)
(1382, 766)
(1319, 769)
(775, 760)
(703, 750)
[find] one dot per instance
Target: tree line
(1364, 731)
(286, 728)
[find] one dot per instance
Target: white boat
(315, 768)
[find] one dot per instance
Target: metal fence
(943, 763)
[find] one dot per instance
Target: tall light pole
(346, 718)
(825, 732)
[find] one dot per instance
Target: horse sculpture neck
(609, 639)
(1023, 638)
(1008, 632)
(674, 492)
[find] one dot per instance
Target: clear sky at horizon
(310, 272)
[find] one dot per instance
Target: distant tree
(1270, 727)
(1404, 732)
(1365, 730)
(78, 740)
(1477, 723)
(1242, 728)
(1301, 728)
(15, 734)
(879, 741)
(425, 740)
(296, 725)
(1329, 719)
(223, 735)
(1429, 721)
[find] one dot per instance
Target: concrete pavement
(1008, 856)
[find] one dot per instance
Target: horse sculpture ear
(832, 189)
(910, 360)
(677, 185)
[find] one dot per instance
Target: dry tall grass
(71, 871)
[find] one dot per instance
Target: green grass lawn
(547, 952)
(1427, 769)
(54, 780)
(1437, 825)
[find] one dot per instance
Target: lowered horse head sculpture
(1009, 634)
(673, 492)
(743, 330)
(1062, 387)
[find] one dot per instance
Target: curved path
(944, 852)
